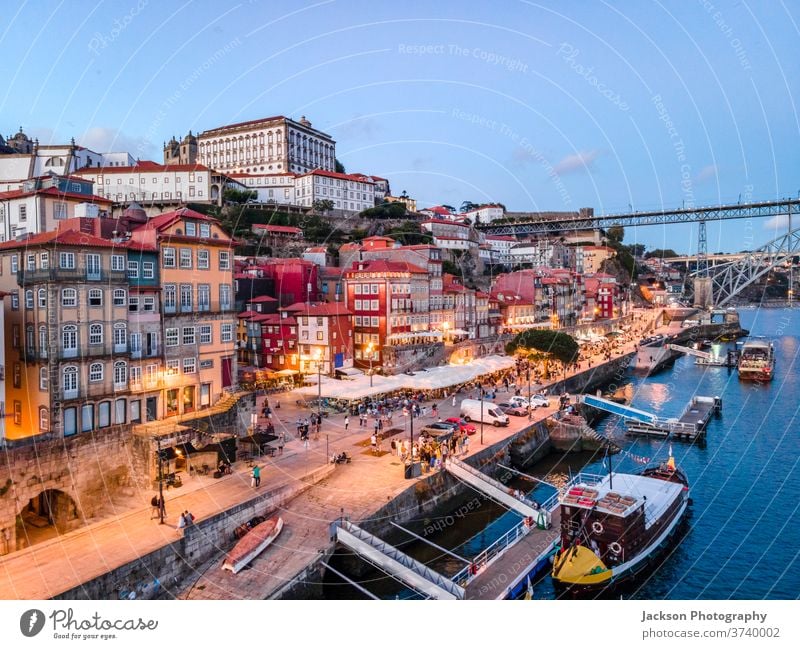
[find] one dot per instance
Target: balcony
(27, 277)
(212, 307)
(92, 351)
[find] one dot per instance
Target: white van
(471, 411)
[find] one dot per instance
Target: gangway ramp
(405, 568)
(690, 351)
(626, 412)
(493, 489)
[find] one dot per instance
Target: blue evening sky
(538, 105)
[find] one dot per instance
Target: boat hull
(252, 544)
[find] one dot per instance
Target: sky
(537, 105)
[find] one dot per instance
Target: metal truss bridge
(558, 223)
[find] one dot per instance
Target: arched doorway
(47, 515)
(214, 192)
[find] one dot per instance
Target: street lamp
(370, 349)
(319, 400)
(481, 395)
(530, 405)
(445, 327)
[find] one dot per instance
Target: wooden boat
(613, 526)
(757, 361)
(252, 544)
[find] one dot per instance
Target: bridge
(558, 222)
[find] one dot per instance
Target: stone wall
(172, 568)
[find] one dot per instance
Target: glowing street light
(370, 349)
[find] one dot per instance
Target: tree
(636, 249)
(450, 268)
(468, 206)
(323, 206)
(449, 208)
(231, 195)
(557, 344)
(661, 254)
(616, 233)
(385, 211)
(339, 167)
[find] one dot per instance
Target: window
(374, 321)
(191, 229)
(44, 417)
(319, 335)
(202, 259)
(69, 297)
(87, 418)
(95, 372)
(186, 298)
(118, 262)
(17, 375)
(42, 340)
(169, 298)
(23, 212)
(225, 297)
(205, 230)
(136, 342)
(29, 299)
(104, 414)
(14, 300)
(30, 262)
(18, 413)
(133, 269)
(120, 408)
(120, 374)
(95, 297)
(172, 366)
(203, 297)
(133, 304)
(171, 336)
(224, 260)
(149, 304)
(70, 379)
(226, 333)
(186, 257)
(120, 335)
(14, 263)
(168, 257)
(119, 297)
(188, 336)
(66, 260)
(69, 338)
(189, 365)
(44, 260)
(148, 270)
(42, 297)
(136, 411)
(95, 334)
(205, 334)
(136, 375)
(44, 379)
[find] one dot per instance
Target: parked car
(463, 426)
(539, 401)
(513, 409)
(522, 402)
(471, 410)
(440, 428)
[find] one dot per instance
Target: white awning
(349, 371)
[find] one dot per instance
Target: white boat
(252, 544)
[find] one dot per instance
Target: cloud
(105, 140)
(580, 161)
(363, 128)
(707, 173)
(778, 223)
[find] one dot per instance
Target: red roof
(240, 124)
(445, 222)
(143, 166)
(287, 229)
(335, 174)
(166, 219)
(261, 298)
(438, 209)
(54, 191)
(62, 238)
(316, 249)
(500, 237)
(383, 266)
(242, 174)
(322, 309)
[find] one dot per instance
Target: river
(745, 483)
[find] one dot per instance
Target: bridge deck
(514, 565)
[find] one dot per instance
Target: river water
(742, 536)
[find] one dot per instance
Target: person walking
(188, 518)
(156, 508)
(454, 400)
(181, 524)
(281, 442)
(346, 422)
(373, 442)
(257, 475)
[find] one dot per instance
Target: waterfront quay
(132, 556)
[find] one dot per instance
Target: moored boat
(252, 544)
(757, 361)
(612, 526)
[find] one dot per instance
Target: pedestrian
(188, 518)
(257, 475)
(181, 524)
(373, 441)
(156, 509)
(377, 424)
(346, 422)
(281, 442)
(253, 477)
(162, 507)
(454, 400)
(394, 447)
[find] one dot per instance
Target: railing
(70, 274)
(488, 555)
(90, 351)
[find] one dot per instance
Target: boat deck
(499, 578)
(689, 426)
(697, 411)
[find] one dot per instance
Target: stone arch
(49, 513)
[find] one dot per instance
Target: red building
(295, 280)
(324, 336)
(390, 303)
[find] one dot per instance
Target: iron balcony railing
(25, 277)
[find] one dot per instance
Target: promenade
(357, 489)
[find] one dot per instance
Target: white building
(150, 181)
(117, 159)
(350, 193)
(382, 189)
(270, 188)
(271, 145)
(500, 247)
(485, 214)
